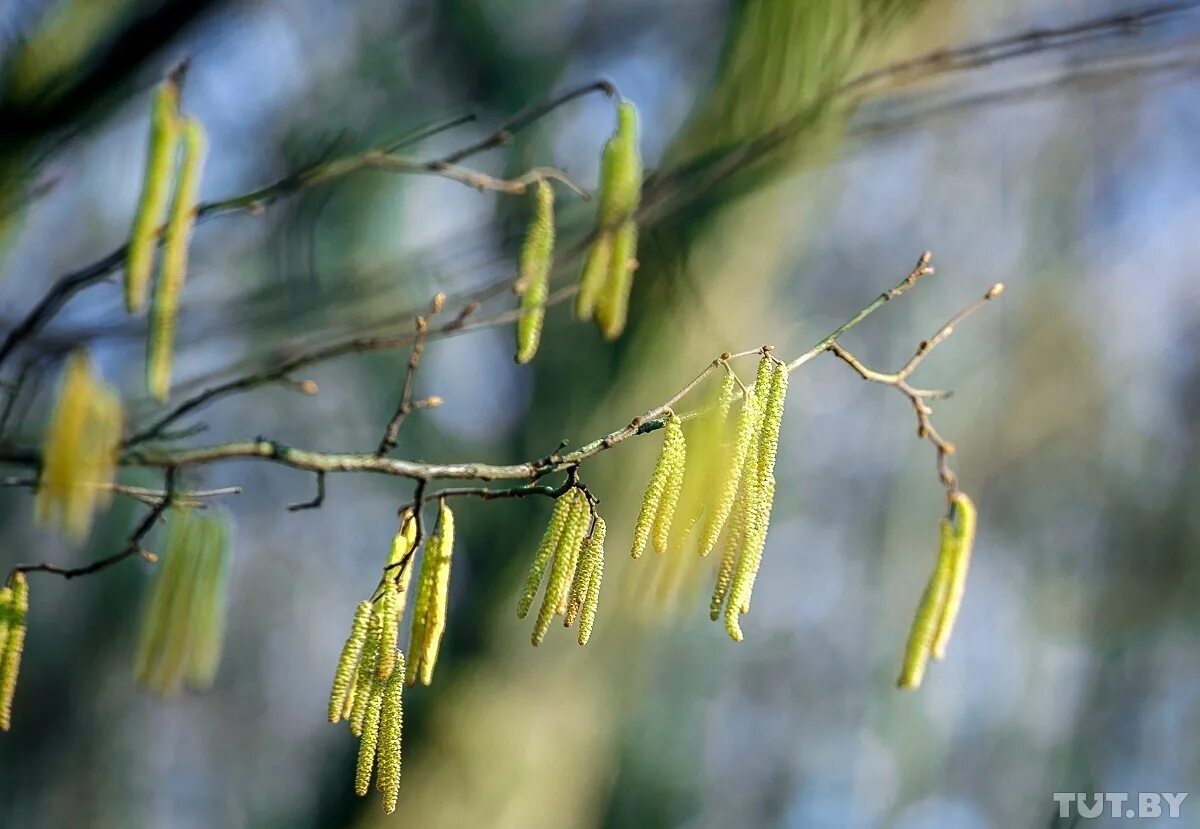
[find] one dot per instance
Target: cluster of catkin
(183, 626)
(175, 157)
(79, 451)
(611, 260)
(726, 492)
(943, 595)
(372, 670)
(14, 607)
(573, 550)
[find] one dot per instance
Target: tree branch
(134, 547)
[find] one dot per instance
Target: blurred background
(785, 197)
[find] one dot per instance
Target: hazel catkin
(167, 291)
(533, 278)
(347, 665)
(672, 455)
(156, 192)
(15, 611)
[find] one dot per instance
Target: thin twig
(317, 501)
(134, 547)
(406, 405)
(194, 498)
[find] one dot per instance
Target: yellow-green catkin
(618, 198)
(593, 553)
(729, 560)
(962, 541)
(764, 494)
(620, 171)
(15, 613)
(660, 480)
(429, 608)
(533, 279)
(749, 419)
(79, 450)
(347, 665)
(5, 621)
(929, 614)
(364, 680)
(612, 305)
(156, 192)
(169, 287)
(391, 732)
(706, 456)
(595, 274)
(566, 556)
(593, 547)
(545, 550)
(369, 738)
(670, 497)
(183, 625)
(208, 622)
(389, 625)
(440, 600)
(402, 544)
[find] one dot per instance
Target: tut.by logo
(1119, 804)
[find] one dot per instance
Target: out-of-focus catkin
(169, 287)
(14, 613)
(183, 625)
(612, 304)
(962, 541)
(615, 246)
(79, 450)
(156, 192)
(929, 613)
(665, 514)
(748, 422)
(533, 279)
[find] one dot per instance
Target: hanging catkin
(533, 280)
(748, 422)
(705, 462)
(364, 680)
(391, 732)
(618, 198)
(347, 665)
(174, 263)
(960, 561)
(764, 492)
(591, 552)
(545, 550)
(208, 622)
(929, 613)
(184, 621)
(429, 609)
(672, 456)
(566, 556)
(612, 306)
(369, 738)
(13, 612)
(665, 514)
(79, 450)
(389, 627)
(156, 192)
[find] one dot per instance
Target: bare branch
(134, 547)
